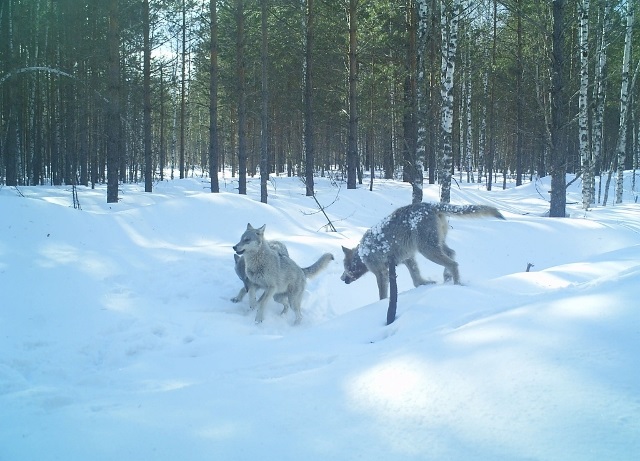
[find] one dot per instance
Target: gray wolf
(420, 227)
(279, 247)
(276, 273)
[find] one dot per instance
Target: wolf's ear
(347, 251)
(261, 229)
(249, 226)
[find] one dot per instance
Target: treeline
(303, 87)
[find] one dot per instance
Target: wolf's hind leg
(451, 254)
(240, 296)
(283, 299)
(414, 270)
(438, 256)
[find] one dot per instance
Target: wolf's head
(354, 268)
(251, 239)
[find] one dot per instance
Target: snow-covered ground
(118, 339)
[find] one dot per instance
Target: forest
(117, 91)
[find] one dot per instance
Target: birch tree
(583, 106)
(621, 146)
(450, 15)
(599, 96)
(417, 182)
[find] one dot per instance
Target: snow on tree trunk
(583, 105)
(449, 23)
(624, 105)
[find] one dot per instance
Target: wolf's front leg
(382, 277)
(252, 296)
(266, 296)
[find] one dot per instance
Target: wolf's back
(317, 266)
(469, 211)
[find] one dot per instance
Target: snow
(118, 339)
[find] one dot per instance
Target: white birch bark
(469, 143)
(583, 106)
(421, 144)
(449, 24)
(599, 96)
(624, 105)
(483, 125)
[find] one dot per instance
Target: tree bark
(583, 106)
(264, 115)
(450, 18)
(113, 116)
(621, 147)
(558, 203)
(242, 99)
(213, 98)
(352, 147)
(148, 164)
(308, 139)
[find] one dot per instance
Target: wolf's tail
(470, 211)
(317, 266)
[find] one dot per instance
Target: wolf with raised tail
(417, 228)
(275, 272)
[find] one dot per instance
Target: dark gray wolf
(420, 227)
(274, 272)
(279, 247)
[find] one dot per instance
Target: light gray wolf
(420, 227)
(274, 272)
(279, 247)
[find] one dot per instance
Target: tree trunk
(558, 203)
(583, 106)
(264, 115)
(148, 165)
(417, 181)
(519, 96)
(352, 147)
(213, 98)
(242, 99)
(600, 98)
(183, 89)
(450, 17)
(308, 140)
(621, 146)
(113, 116)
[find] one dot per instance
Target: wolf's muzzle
(347, 278)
